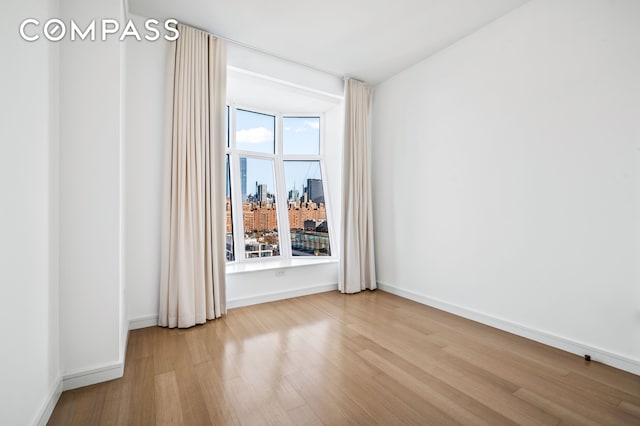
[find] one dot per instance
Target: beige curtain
(357, 266)
(192, 288)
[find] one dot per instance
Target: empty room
(243, 212)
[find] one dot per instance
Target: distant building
(243, 178)
(314, 190)
(310, 225)
(253, 248)
(229, 251)
(294, 195)
(323, 227)
(261, 192)
(228, 215)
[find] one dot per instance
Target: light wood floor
(370, 358)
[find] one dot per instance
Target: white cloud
(312, 124)
(254, 135)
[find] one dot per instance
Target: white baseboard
(152, 320)
(97, 375)
(143, 322)
(280, 295)
(47, 409)
(91, 377)
(80, 379)
(597, 354)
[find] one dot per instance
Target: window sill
(243, 267)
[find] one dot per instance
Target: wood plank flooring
(370, 358)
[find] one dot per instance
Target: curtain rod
(266, 52)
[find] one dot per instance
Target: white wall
(507, 177)
(29, 359)
(90, 138)
(249, 288)
(144, 150)
(144, 162)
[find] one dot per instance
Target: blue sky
(298, 172)
(301, 135)
(255, 132)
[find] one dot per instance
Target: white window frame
(278, 158)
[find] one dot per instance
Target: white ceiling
(366, 39)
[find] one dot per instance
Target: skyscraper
(314, 190)
(261, 192)
(243, 178)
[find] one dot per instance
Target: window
(259, 212)
(275, 183)
(306, 209)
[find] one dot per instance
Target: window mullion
(328, 211)
(236, 191)
(328, 200)
(281, 190)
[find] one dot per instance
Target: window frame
(277, 160)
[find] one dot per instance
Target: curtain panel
(357, 265)
(192, 287)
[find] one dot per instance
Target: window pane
(259, 209)
(301, 135)
(227, 126)
(255, 132)
(230, 254)
(306, 209)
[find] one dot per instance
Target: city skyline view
(256, 132)
(297, 175)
